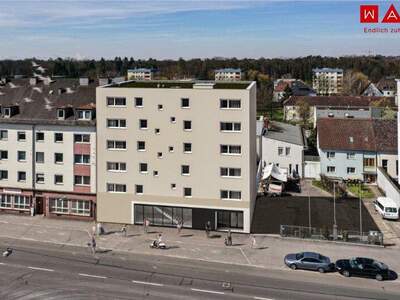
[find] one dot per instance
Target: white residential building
(140, 74)
(228, 74)
(328, 81)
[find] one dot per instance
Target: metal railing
(371, 237)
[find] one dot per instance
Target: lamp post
(335, 233)
(359, 197)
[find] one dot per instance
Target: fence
(372, 237)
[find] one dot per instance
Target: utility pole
(309, 210)
(335, 233)
(359, 190)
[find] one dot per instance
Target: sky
(165, 29)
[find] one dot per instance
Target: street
(46, 271)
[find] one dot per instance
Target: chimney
(33, 81)
(84, 81)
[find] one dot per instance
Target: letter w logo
(369, 13)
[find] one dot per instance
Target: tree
(388, 113)
(303, 109)
(354, 82)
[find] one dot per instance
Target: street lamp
(359, 197)
(335, 233)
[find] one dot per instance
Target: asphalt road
(46, 271)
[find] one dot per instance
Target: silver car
(309, 261)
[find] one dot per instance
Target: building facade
(48, 149)
(177, 151)
(140, 74)
(228, 74)
(328, 81)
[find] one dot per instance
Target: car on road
(363, 267)
(309, 261)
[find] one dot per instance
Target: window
(39, 178)
(143, 124)
(331, 169)
(157, 130)
(187, 192)
(21, 156)
(155, 173)
(138, 102)
(159, 154)
(116, 188)
(143, 168)
(171, 149)
(58, 179)
(40, 157)
(81, 180)
(231, 149)
(116, 123)
(280, 151)
(58, 205)
(39, 136)
(5, 201)
(185, 103)
(116, 166)
(116, 101)
(229, 104)
(3, 134)
(21, 176)
(83, 159)
(369, 162)
(187, 147)
(22, 202)
(82, 138)
(3, 154)
(84, 115)
(173, 120)
(3, 174)
(139, 189)
(185, 170)
(58, 158)
(60, 114)
(116, 145)
(21, 136)
(173, 186)
(351, 170)
(187, 125)
(7, 112)
(230, 219)
(141, 146)
(230, 126)
(287, 151)
(160, 107)
(330, 154)
(80, 207)
(230, 172)
(231, 195)
(351, 155)
(58, 137)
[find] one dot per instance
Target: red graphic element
(391, 16)
(369, 13)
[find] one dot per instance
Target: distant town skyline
(189, 29)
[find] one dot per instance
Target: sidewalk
(191, 244)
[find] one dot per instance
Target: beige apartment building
(48, 148)
(140, 74)
(328, 81)
(228, 74)
(177, 151)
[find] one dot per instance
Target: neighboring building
(336, 105)
(354, 148)
(140, 74)
(297, 88)
(387, 86)
(228, 74)
(48, 147)
(328, 81)
(282, 144)
(372, 91)
(177, 150)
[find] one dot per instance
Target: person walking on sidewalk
(92, 245)
(228, 239)
(124, 230)
(179, 226)
(146, 225)
(253, 241)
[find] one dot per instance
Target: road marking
(2, 263)
(248, 260)
(147, 283)
(261, 298)
(41, 269)
(93, 276)
(208, 291)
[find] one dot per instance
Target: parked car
(309, 261)
(363, 267)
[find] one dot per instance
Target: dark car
(363, 267)
(309, 261)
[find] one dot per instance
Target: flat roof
(171, 84)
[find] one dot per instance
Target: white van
(387, 208)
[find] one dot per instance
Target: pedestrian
(229, 237)
(253, 241)
(94, 229)
(146, 224)
(208, 228)
(93, 245)
(179, 226)
(124, 230)
(159, 240)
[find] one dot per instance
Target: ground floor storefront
(191, 217)
(51, 204)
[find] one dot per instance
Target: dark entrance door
(39, 205)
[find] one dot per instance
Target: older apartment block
(177, 151)
(328, 81)
(48, 147)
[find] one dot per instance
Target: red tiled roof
(352, 101)
(358, 134)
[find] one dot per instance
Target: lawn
(365, 191)
(318, 184)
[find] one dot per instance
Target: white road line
(147, 283)
(208, 291)
(262, 298)
(2, 263)
(248, 260)
(93, 276)
(41, 269)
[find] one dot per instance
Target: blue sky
(187, 28)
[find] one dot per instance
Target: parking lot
(271, 212)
